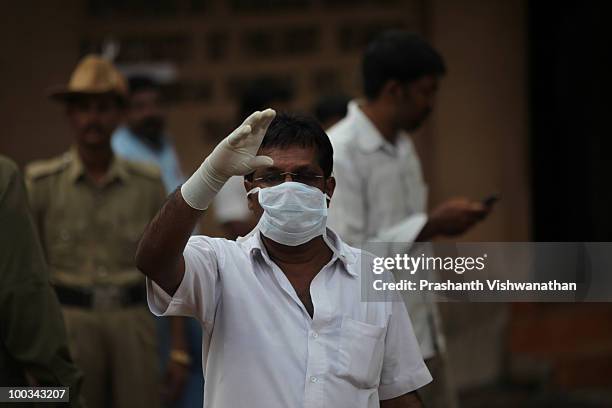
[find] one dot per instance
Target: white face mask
(294, 213)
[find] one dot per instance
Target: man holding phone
(381, 195)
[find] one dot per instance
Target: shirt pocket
(386, 195)
(62, 237)
(361, 352)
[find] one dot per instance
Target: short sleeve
(199, 292)
(403, 368)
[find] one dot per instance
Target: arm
(160, 251)
(409, 400)
(176, 370)
(453, 217)
(349, 211)
(348, 214)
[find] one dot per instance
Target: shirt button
(315, 334)
(65, 235)
(102, 272)
(313, 379)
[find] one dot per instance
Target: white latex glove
(236, 155)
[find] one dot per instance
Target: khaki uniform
(32, 334)
(90, 233)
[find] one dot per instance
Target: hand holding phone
(490, 200)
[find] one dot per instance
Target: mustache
(153, 122)
(94, 127)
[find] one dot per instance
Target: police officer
(91, 208)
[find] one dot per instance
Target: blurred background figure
(330, 109)
(381, 195)
(90, 208)
(33, 342)
(230, 204)
(143, 138)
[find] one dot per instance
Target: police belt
(101, 297)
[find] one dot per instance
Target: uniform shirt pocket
(361, 352)
(62, 237)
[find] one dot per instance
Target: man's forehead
(291, 156)
(428, 81)
(145, 93)
(91, 98)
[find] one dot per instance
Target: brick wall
(563, 345)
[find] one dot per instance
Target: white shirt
(381, 197)
(230, 203)
(263, 348)
(125, 143)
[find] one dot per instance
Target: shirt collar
(369, 139)
(76, 172)
(254, 246)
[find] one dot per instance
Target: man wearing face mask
(282, 307)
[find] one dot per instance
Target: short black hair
(289, 130)
(137, 83)
(331, 106)
(398, 55)
(260, 94)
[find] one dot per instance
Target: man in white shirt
(282, 310)
(381, 196)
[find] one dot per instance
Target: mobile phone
(490, 200)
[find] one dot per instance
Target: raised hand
(456, 216)
(236, 155)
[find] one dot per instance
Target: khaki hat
(92, 75)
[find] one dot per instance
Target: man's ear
(393, 89)
(248, 186)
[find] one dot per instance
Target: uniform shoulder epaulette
(143, 169)
(43, 168)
